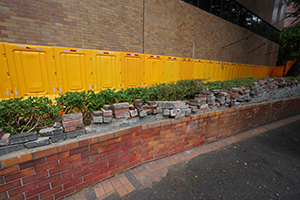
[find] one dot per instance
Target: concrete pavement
(263, 163)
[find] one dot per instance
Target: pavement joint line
(134, 181)
(177, 158)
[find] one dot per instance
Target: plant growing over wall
(21, 115)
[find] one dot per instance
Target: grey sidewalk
(263, 163)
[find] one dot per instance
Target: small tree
(290, 44)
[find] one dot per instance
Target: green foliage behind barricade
(21, 115)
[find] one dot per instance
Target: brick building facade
(154, 27)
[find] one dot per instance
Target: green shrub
(20, 115)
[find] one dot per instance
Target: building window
(234, 12)
(293, 14)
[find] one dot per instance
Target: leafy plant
(21, 115)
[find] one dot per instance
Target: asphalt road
(266, 166)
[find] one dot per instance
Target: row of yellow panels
(28, 70)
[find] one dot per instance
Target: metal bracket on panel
(95, 87)
(7, 92)
(54, 90)
(16, 92)
(60, 89)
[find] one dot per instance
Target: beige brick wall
(96, 24)
(170, 28)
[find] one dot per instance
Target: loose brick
(106, 113)
(118, 106)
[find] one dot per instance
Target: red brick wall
(170, 28)
(57, 171)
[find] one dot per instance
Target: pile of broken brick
(73, 126)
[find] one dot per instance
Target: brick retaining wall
(59, 170)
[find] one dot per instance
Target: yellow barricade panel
(235, 70)
(225, 71)
(260, 71)
(74, 69)
(133, 69)
(171, 69)
(220, 71)
(106, 70)
(270, 71)
(6, 90)
(32, 70)
(253, 71)
(186, 68)
(231, 70)
(209, 70)
(240, 70)
(154, 69)
(277, 71)
(198, 69)
(249, 70)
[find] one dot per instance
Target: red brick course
(67, 168)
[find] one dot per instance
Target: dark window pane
(235, 12)
(226, 8)
(192, 2)
(251, 21)
(242, 17)
(216, 7)
(205, 5)
(232, 11)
